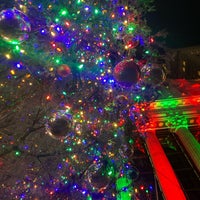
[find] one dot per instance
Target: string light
(84, 35)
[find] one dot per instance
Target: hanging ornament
(96, 178)
(153, 74)
(127, 73)
(122, 100)
(59, 125)
(125, 151)
(99, 175)
(64, 71)
(14, 26)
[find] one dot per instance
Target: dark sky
(180, 18)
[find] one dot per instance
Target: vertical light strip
(191, 145)
(166, 177)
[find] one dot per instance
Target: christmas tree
(76, 79)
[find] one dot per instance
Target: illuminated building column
(166, 177)
(191, 145)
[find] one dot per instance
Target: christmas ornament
(127, 73)
(122, 100)
(153, 74)
(125, 151)
(14, 25)
(59, 125)
(64, 71)
(99, 175)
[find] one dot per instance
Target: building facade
(172, 141)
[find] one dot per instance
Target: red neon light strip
(166, 177)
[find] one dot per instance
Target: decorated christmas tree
(76, 79)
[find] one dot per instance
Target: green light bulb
(17, 153)
(96, 11)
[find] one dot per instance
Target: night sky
(180, 18)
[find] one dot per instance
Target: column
(166, 177)
(191, 145)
